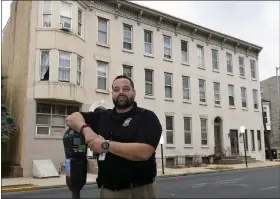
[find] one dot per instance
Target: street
(251, 183)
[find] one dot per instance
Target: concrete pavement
(250, 183)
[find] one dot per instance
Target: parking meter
(76, 161)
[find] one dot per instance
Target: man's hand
(95, 144)
(75, 121)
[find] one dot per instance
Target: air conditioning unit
(65, 26)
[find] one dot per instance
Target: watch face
(105, 145)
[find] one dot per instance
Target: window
(241, 66)
(127, 71)
(229, 63)
(65, 14)
(259, 140)
(64, 66)
(253, 140)
(203, 125)
(168, 85)
(184, 50)
(127, 37)
(186, 87)
(187, 130)
(79, 70)
(45, 65)
(244, 97)
(255, 99)
(202, 90)
(200, 59)
(215, 61)
(265, 115)
(253, 69)
(167, 47)
(102, 75)
(80, 22)
(102, 31)
(231, 100)
(217, 97)
(149, 82)
(148, 42)
(169, 129)
(50, 118)
(246, 140)
(47, 14)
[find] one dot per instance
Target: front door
(217, 136)
(234, 142)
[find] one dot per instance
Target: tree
(8, 122)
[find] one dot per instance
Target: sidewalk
(29, 183)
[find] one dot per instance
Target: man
(125, 139)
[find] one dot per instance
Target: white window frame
(255, 99)
(229, 63)
(185, 54)
(170, 86)
(130, 67)
(107, 69)
(107, 27)
(80, 23)
(166, 56)
(43, 13)
(41, 66)
(204, 131)
(215, 61)
(131, 35)
(229, 95)
(147, 43)
(244, 98)
(188, 131)
(202, 91)
(187, 89)
(169, 130)
(79, 71)
(150, 83)
(202, 65)
(217, 93)
(71, 17)
(59, 67)
(253, 70)
(241, 67)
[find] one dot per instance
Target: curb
(18, 188)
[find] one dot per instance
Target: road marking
(199, 185)
(267, 188)
(228, 181)
(241, 185)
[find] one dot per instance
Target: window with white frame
(79, 70)
(244, 97)
(80, 22)
(64, 66)
(241, 66)
(188, 130)
(202, 90)
(168, 85)
(215, 60)
(200, 56)
(148, 39)
(167, 47)
(169, 129)
(127, 71)
(253, 69)
(47, 14)
(66, 14)
(50, 118)
(186, 87)
(45, 65)
(231, 99)
(184, 51)
(149, 75)
(204, 131)
(255, 99)
(217, 93)
(253, 140)
(229, 63)
(102, 31)
(102, 75)
(127, 37)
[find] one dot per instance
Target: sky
(256, 22)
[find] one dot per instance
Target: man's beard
(124, 103)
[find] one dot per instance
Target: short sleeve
(91, 118)
(150, 129)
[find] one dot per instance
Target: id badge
(102, 157)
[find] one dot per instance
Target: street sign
(242, 129)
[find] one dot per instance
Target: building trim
(100, 103)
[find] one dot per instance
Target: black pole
(245, 150)
(162, 159)
(76, 195)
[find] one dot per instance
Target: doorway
(218, 135)
(234, 142)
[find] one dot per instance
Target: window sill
(218, 105)
(186, 101)
(170, 146)
(169, 99)
(205, 147)
(254, 79)
(102, 91)
(148, 55)
(102, 45)
(185, 63)
(203, 103)
(149, 97)
(232, 107)
(47, 137)
(188, 146)
(216, 71)
(230, 74)
(128, 51)
(242, 77)
(244, 109)
(201, 67)
(256, 110)
(168, 60)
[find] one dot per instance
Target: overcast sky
(254, 21)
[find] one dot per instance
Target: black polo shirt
(139, 126)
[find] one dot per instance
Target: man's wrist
(82, 127)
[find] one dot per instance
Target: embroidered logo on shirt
(127, 121)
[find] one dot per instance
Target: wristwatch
(105, 146)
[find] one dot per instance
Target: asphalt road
(252, 183)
